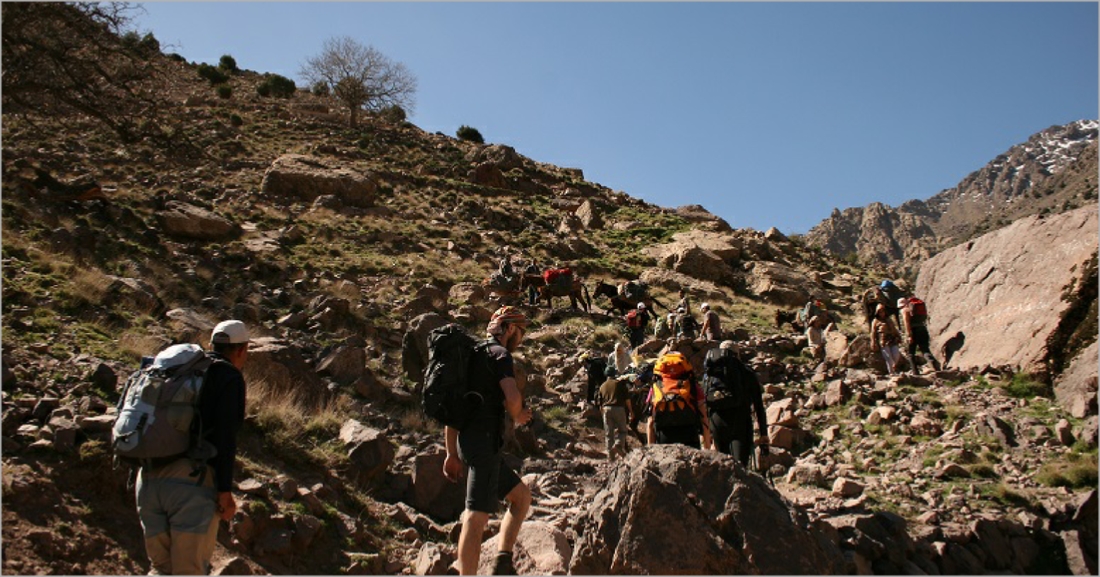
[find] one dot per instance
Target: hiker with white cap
(712, 326)
(179, 504)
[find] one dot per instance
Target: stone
(540, 549)
(370, 451)
(344, 364)
(184, 220)
(806, 475)
(432, 493)
(297, 177)
(433, 559)
(674, 490)
(1064, 432)
(1004, 290)
(844, 488)
(1075, 389)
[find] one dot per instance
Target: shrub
(212, 74)
(225, 91)
(228, 64)
(236, 120)
(1024, 387)
(320, 88)
(470, 134)
(176, 57)
(393, 114)
(1075, 471)
(277, 85)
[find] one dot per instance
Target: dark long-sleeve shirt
(222, 409)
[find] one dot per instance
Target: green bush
(176, 57)
(212, 74)
(225, 91)
(228, 64)
(277, 85)
(320, 88)
(236, 120)
(470, 134)
(1075, 471)
(1024, 387)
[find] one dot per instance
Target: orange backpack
(673, 400)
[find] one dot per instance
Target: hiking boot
(503, 564)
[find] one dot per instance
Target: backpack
(634, 319)
(158, 412)
(918, 311)
(672, 403)
(725, 382)
(672, 364)
(450, 396)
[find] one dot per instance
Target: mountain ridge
(1055, 170)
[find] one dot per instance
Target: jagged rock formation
(1007, 290)
(1055, 170)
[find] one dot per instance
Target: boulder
(303, 178)
(780, 284)
(467, 293)
(1075, 389)
(369, 450)
(431, 493)
(281, 366)
(1004, 290)
(540, 549)
(345, 364)
(589, 216)
(737, 523)
(414, 345)
(836, 344)
(433, 559)
(184, 220)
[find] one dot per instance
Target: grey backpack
(158, 413)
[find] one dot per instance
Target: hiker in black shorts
(478, 446)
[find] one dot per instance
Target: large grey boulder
(1005, 290)
(726, 521)
(305, 178)
(780, 284)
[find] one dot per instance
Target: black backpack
(451, 396)
(726, 380)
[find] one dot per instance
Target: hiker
(532, 291)
(685, 302)
(614, 399)
(595, 367)
(815, 336)
(179, 506)
(478, 446)
(619, 360)
(686, 325)
(677, 413)
(662, 326)
(914, 317)
(506, 270)
(890, 295)
(732, 392)
(636, 321)
(712, 326)
(885, 338)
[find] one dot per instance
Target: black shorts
(489, 480)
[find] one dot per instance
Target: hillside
(1053, 172)
(339, 246)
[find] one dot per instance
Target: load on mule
(625, 301)
(560, 282)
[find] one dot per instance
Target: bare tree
(65, 58)
(361, 77)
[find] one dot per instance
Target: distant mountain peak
(1054, 170)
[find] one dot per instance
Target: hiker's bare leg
(469, 541)
(519, 503)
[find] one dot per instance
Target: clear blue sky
(767, 114)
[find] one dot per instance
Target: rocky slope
(341, 247)
(1054, 171)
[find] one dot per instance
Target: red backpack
(633, 319)
(917, 310)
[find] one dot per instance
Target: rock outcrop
(1005, 290)
(725, 520)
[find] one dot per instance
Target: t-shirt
(614, 393)
(499, 366)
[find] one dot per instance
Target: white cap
(704, 306)
(229, 332)
(641, 306)
(902, 302)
